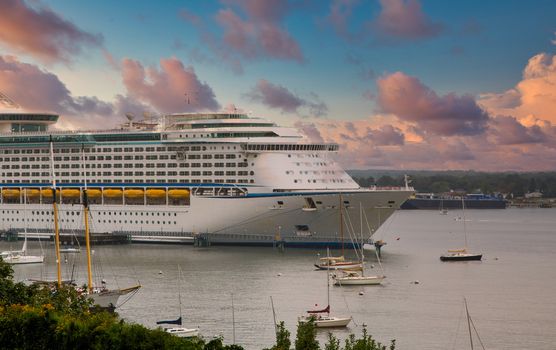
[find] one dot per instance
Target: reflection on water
(510, 293)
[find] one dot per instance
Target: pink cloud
(172, 88)
(507, 130)
(42, 33)
(404, 19)
(37, 90)
(534, 97)
(411, 101)
(279, 97)
(252, 30)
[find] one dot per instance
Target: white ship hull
(259, 219)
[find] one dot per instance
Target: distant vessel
(461, 254)
(445, 202)
(227, 178)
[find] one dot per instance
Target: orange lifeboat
(156, 193)
(46, 192)
(112, 193)
(10, 193)
(178, 193)
(134, 193)
(32, 192)
(70, 193)
(94, 193)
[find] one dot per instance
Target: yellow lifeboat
(93, 193)
(178, 193)
(112, 193)
(134, 193)
(156, 193)
(10, 193)
(32, 192)
(70, 193)
(46, 192)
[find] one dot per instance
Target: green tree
(306, 338)
(333, 343)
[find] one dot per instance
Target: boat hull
(327, 321)
(183, 332)
(23, 259)
(461, 257)
(253, 220)
(362, 280)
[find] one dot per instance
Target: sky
(398, 84)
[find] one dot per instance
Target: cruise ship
(221, 178)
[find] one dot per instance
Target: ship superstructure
(227, 177)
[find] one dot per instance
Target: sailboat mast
(55, 210)
(328, 281)
(86, 219)
(464, 224)
(341, 224)
(468, 324)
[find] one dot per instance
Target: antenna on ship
(130, 118)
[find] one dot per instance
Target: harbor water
(510, 293)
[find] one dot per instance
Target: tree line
(511, 184)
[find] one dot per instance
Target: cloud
(404, 20)
(533, 97)
(251, 30)
(553, 41)
(339, 17)
(172, 88)
(42, 33)
(37, 90)
(506, 130)
(279, 97)
(413, 102)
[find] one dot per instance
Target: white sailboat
(322, 318)
(338, 262)
(16, 257)
(461, 254)
(179, 331)
(357, 276)
(443, 211)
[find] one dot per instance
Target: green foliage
(47, 317)
(333, 343)
(366, 342)
(282, 338)
(306, 338)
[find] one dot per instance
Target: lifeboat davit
(10, 193)
(178, 193)
(156, 193)
(134, 193)
(112, 193)
(70, 193)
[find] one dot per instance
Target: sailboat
(356, 276)
(322, 318)
(443, 211)
(338, 262)
(179, 331)
(461, 254)
(20, 256)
